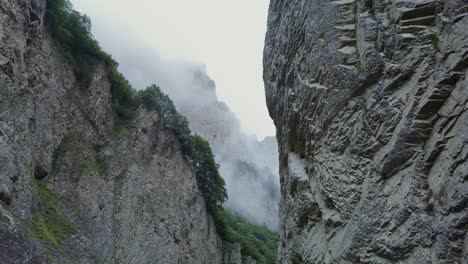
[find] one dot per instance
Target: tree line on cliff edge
(71, 32)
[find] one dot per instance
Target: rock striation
(74, 186)
(370, 102)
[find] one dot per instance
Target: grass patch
(50, 224)
(119, 133)
(4, 219)
(3, 89)
(86, 157)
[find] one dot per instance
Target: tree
(210, 182)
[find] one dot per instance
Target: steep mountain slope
(75, 186)
(370, 101)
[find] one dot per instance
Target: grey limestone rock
(232, 255)
(370, 101)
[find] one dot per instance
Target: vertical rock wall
(370, 102)
(74, 187)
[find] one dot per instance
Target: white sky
(225, 35)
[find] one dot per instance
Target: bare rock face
(232, 255)
(370, 101)
(73, 187)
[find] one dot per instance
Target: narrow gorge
(113, 154)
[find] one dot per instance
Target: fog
(249, 166)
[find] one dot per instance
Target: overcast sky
(225, 35)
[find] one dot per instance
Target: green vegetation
(256, 241)
(4, 90)
(11, 211)
(210, 181)
(153, 99)
(75, 148)
(72, 33)
(197, 151)
(50, 224)
(4, 219)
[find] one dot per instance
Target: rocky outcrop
(370, 103)
(232, 255)
(74, 186)
(132, 199)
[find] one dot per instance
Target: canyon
(370, 103)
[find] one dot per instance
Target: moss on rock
(86, 156)
(50, 224)
(4, 219)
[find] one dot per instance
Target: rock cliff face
(73, 187)
(370, 102)
(232, 255)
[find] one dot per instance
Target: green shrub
(153, 99)
(72, 33)
(196, 150)
(210, 182)
(123, 95)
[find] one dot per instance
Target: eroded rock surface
(370, 102)
(232, 255)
